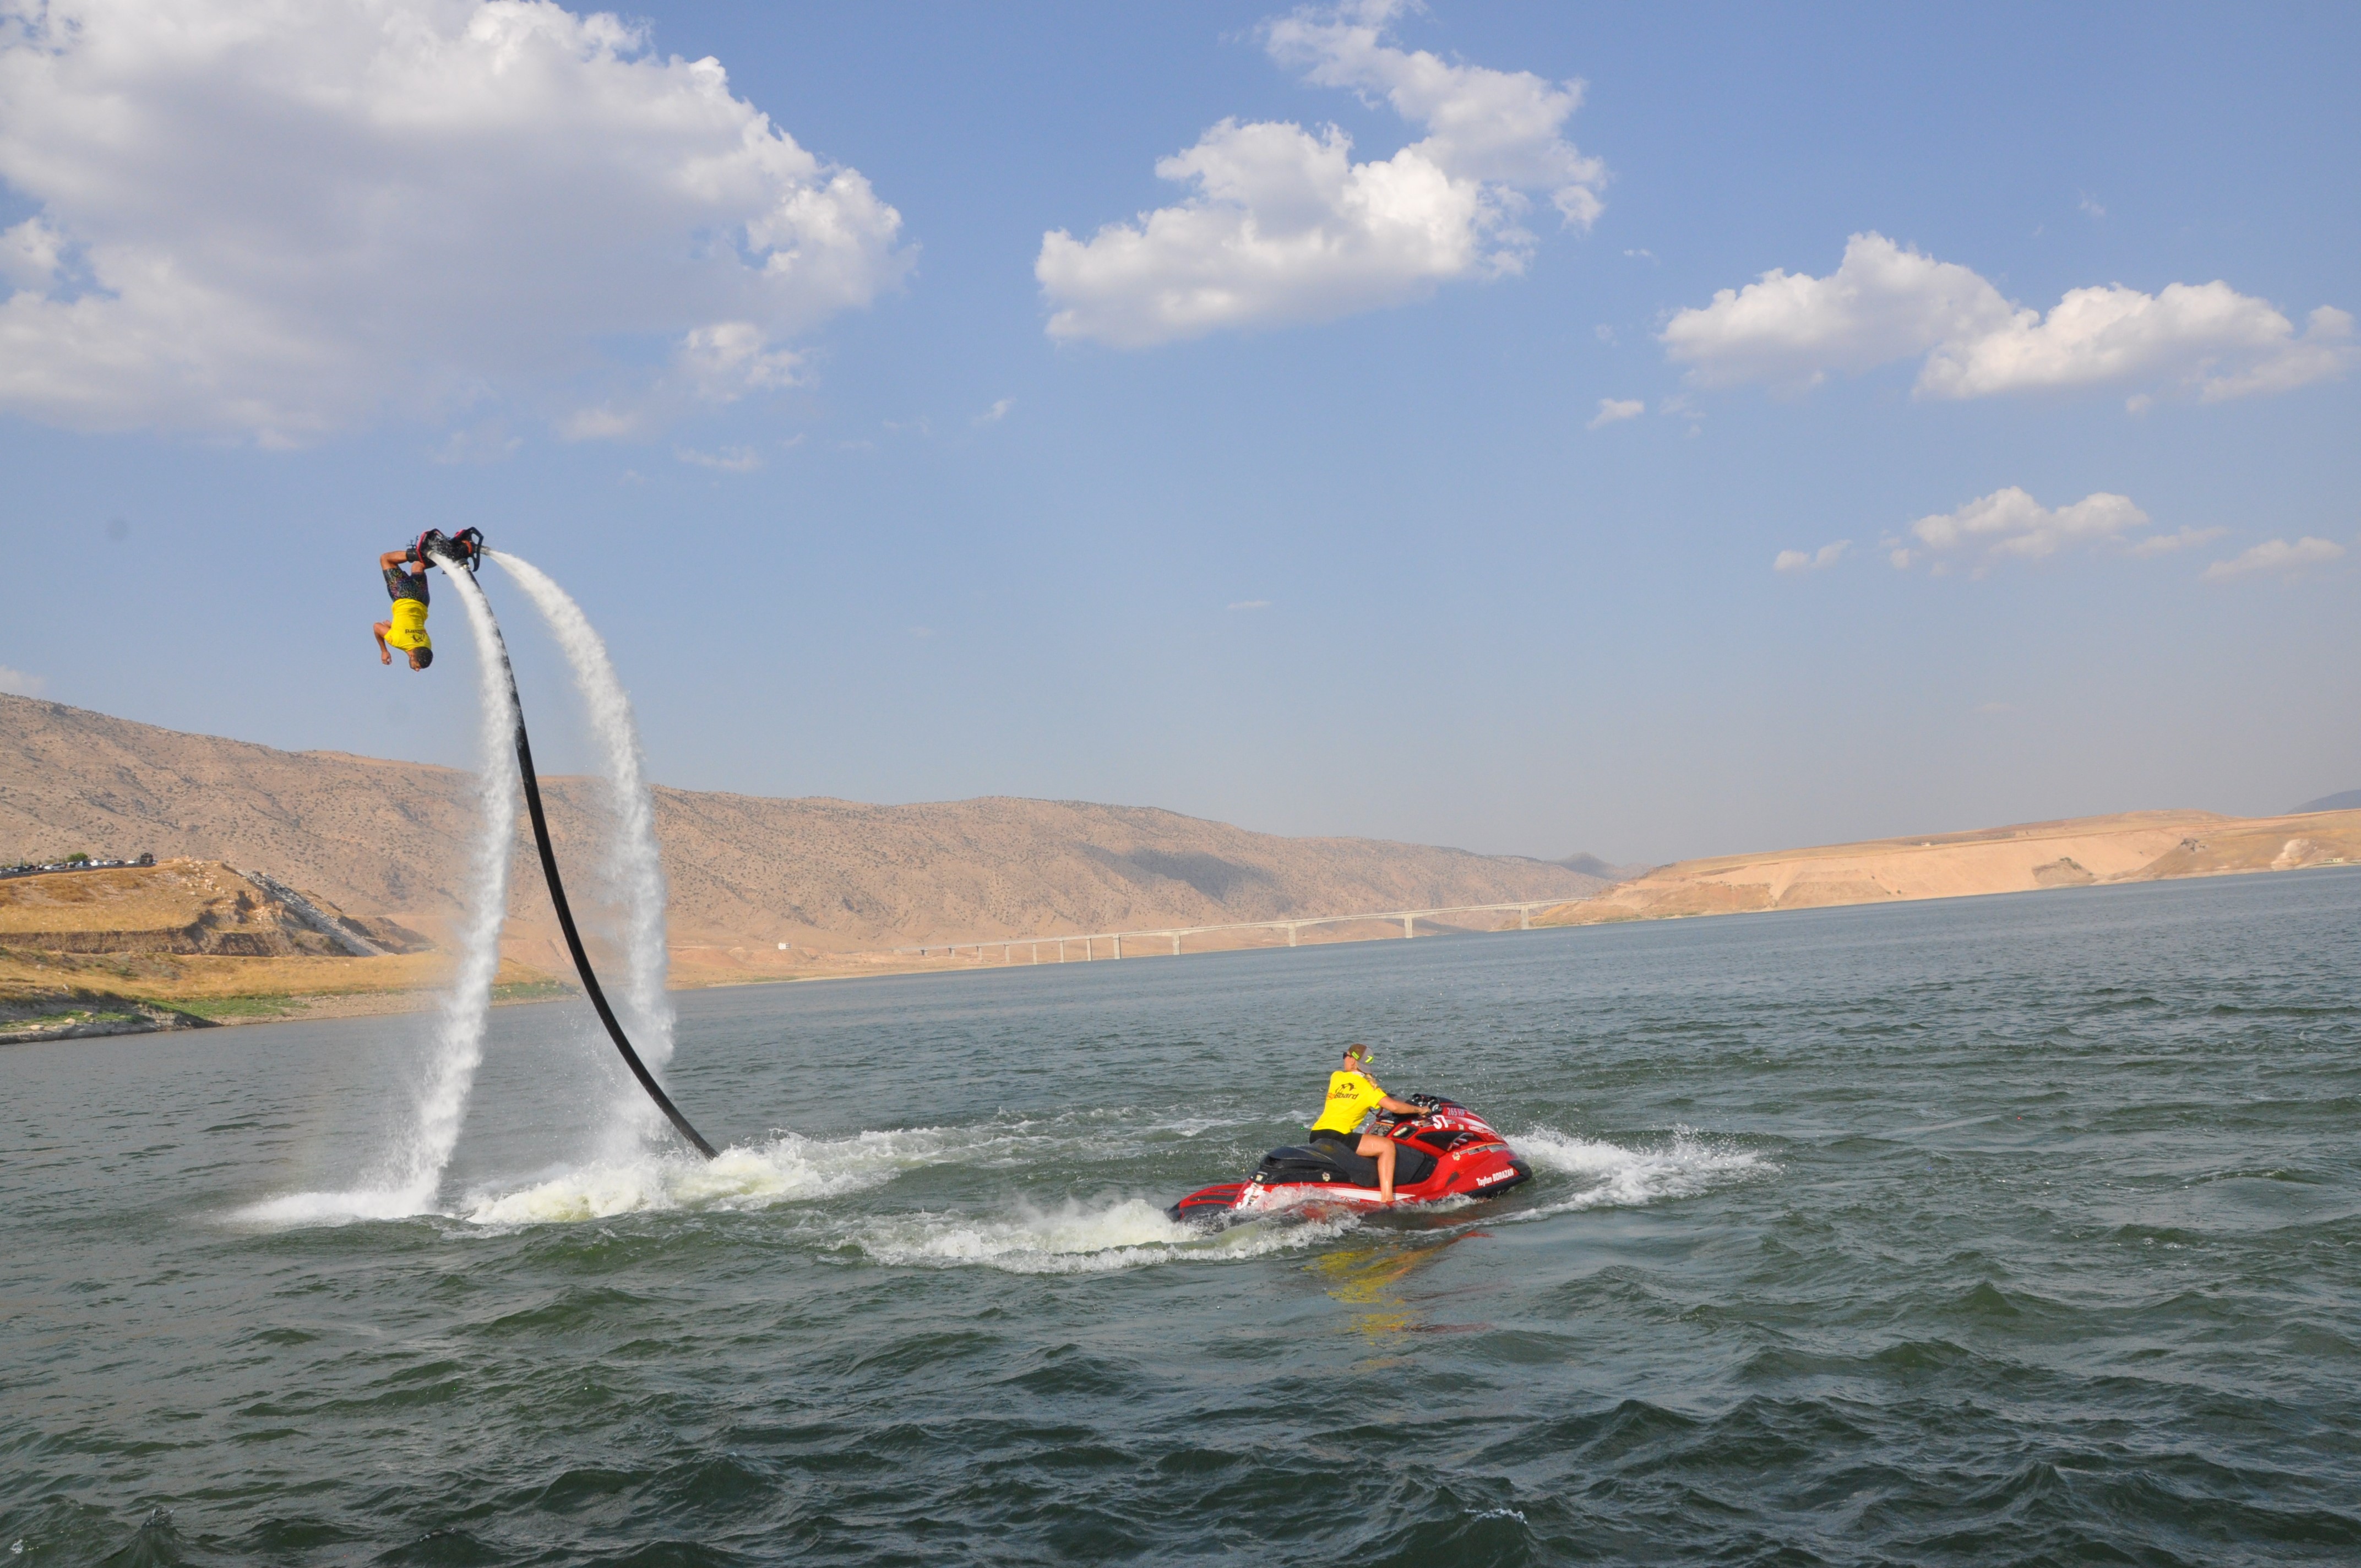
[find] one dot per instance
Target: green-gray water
(2015, 1230)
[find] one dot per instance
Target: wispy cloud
(2275, 555)
(728, 459)
(487, 442)
(2166, 543)
(22, 684)
(1818, 559)
(603, 422)
(995, 413)
(1612, 409)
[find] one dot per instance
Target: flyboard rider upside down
(405, 584)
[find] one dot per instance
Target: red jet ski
(1445, 1151)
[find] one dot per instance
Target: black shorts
(1351, 1141)
(400, 584)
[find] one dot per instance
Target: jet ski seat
(1335, 1156)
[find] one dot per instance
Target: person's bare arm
(1402, 1107)
(384, 653)
(393, 560)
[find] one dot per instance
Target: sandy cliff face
(2133, 847)
(388, 839)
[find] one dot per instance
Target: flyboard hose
(566, 915)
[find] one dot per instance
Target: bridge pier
(1407, 932)
(1176, 944)
(1292, 928)
(1118, 944)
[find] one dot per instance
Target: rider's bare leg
(1382, 1150)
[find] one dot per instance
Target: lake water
(2011, 1230)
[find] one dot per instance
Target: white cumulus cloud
(1284, 226)
(1887, 302)
(2010, 524)
(2275, 555)
(277, 220)
(21, 684)
(1611, 409)
(1818, 559)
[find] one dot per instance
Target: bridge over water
(1091, 946)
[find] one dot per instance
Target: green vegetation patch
(220, 1009)
(531, 991)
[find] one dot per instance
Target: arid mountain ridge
(387, 839)
(2029, 857)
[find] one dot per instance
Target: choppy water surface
(2011, 1230)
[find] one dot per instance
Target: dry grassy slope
(387, 837)
(2137, 846)
(175, 907)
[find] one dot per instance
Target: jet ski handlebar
(1427, 1105)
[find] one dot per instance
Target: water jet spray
(557, 887)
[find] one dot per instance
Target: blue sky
(1426, 489)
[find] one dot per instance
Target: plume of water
(633, 867)
(459, 1032)
(412, 1175)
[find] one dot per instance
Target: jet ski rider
(1352, 1094)
(407, 629)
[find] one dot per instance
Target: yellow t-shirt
(1351, 1097)
(409, 632)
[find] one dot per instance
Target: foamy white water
(411, 1175)
(786, 1169)
(1611, 1176)
(1084, 1238)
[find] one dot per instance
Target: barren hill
(2135, 846)
(387, 839)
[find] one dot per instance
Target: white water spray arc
(459, 1036)
(634, 864)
